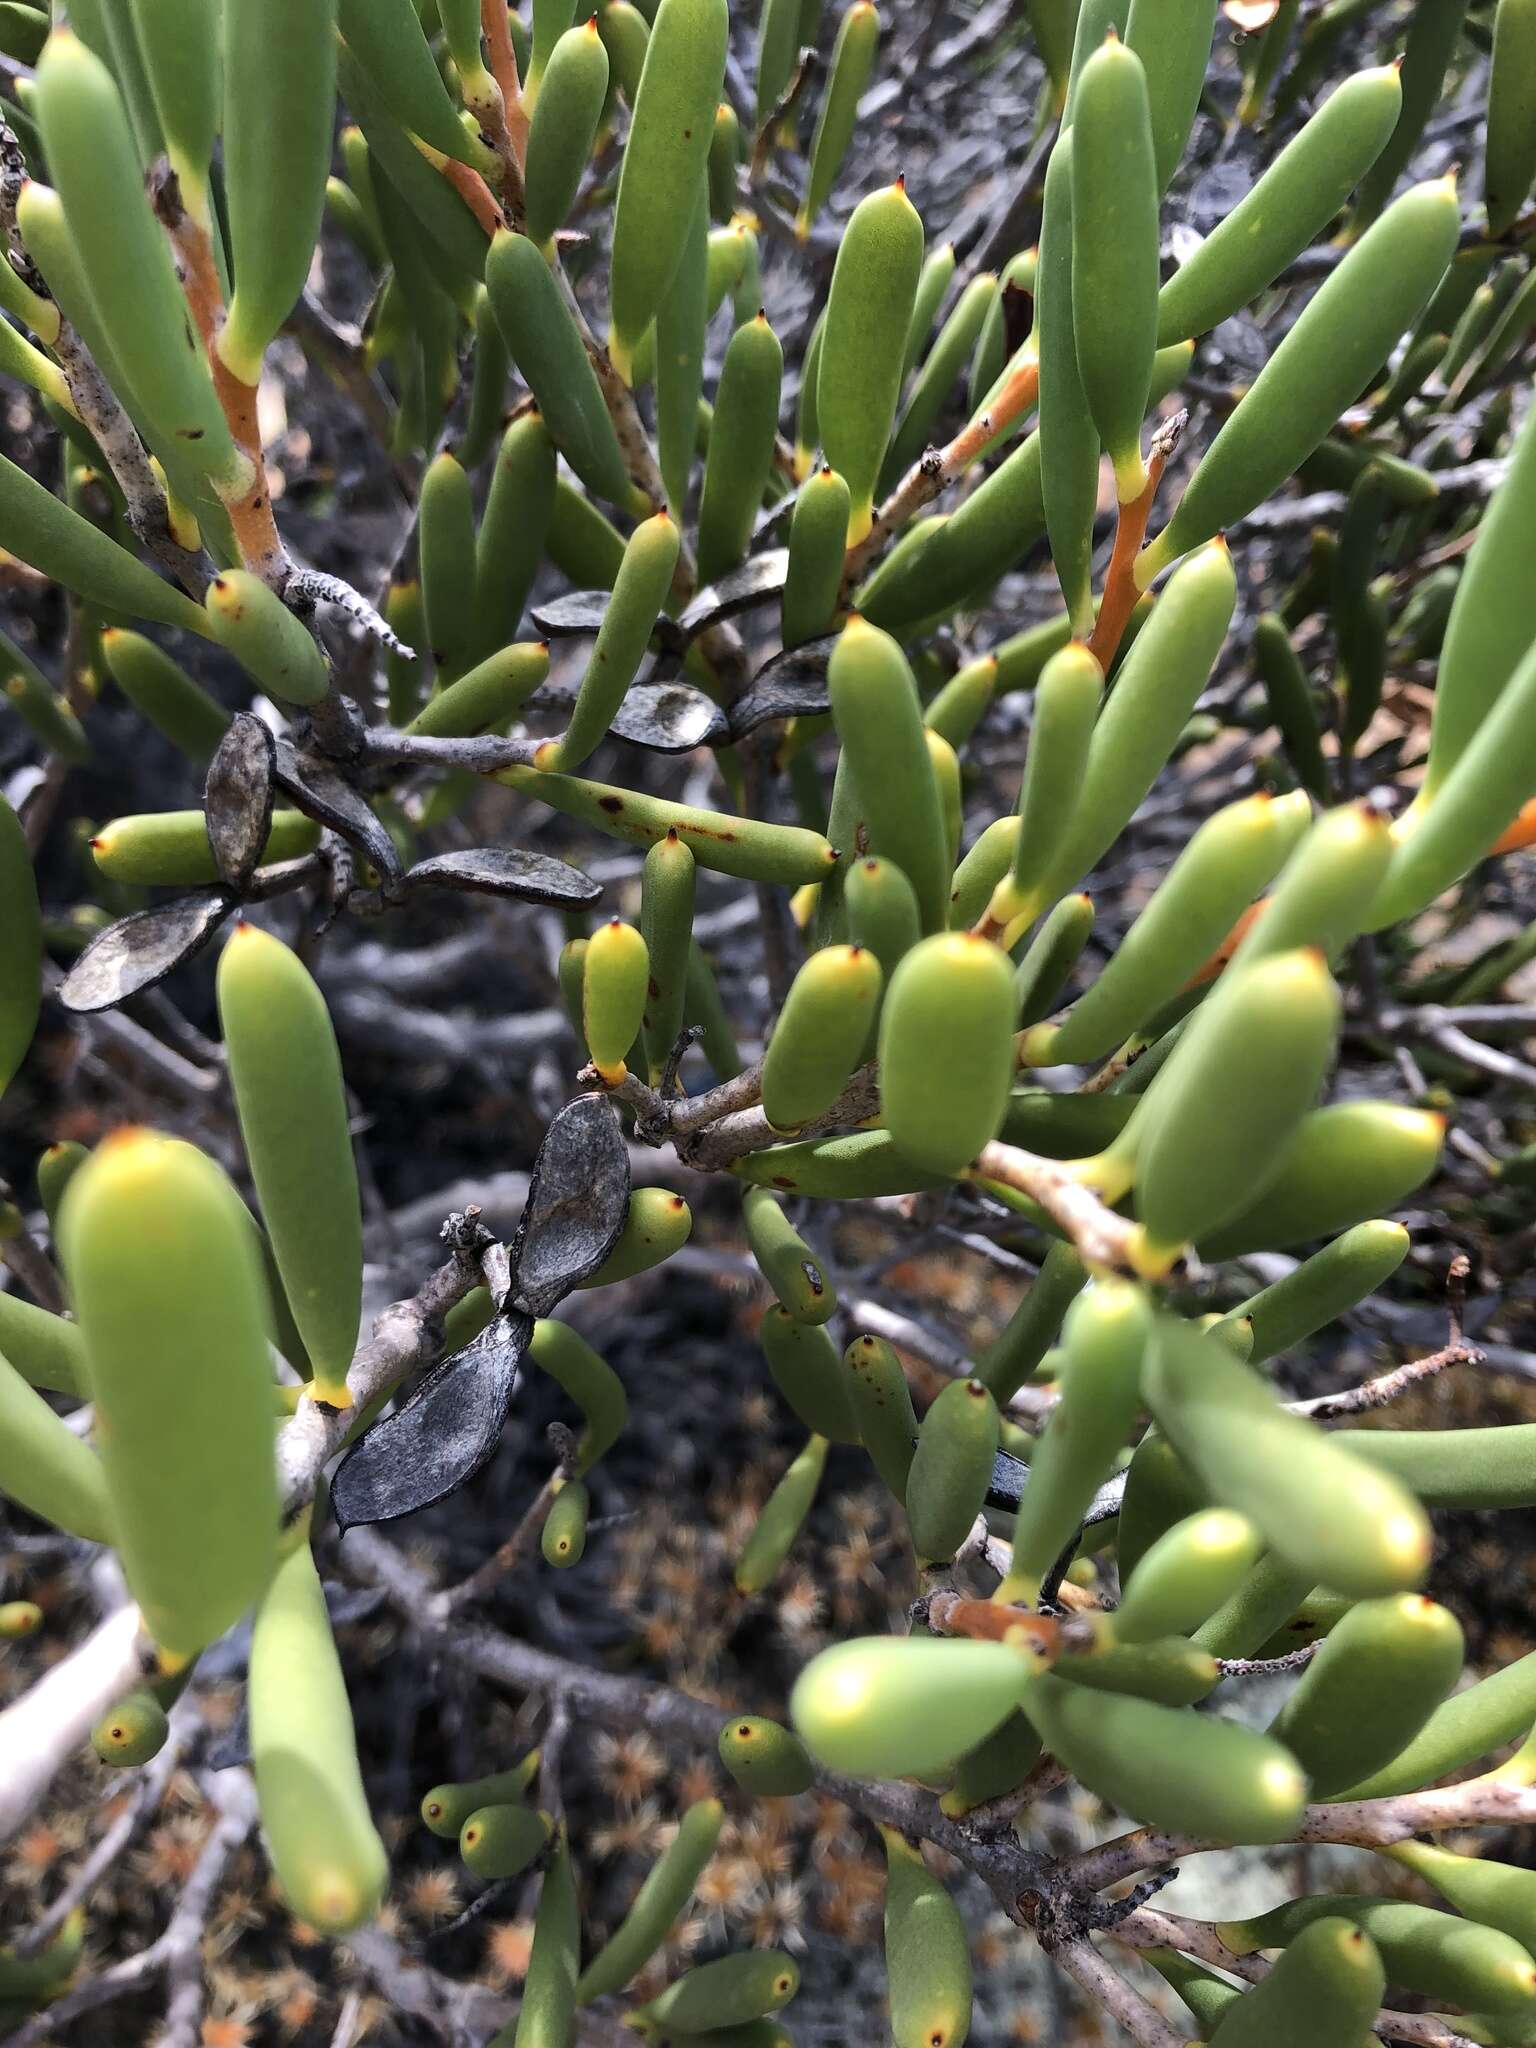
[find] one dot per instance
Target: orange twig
(1216, 964)
(250, 516)
(475, 193)
(498, 42)
(1120, 592)
(1520, 834)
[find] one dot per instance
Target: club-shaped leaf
(238, 798)
(437, 1441)
(578, 1197)
(143, 948)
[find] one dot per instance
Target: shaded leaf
(759, 577)
(143, 948)
(792, 685)
(231, 1747)
(670, 718)
(238, 798)
(441, 1437)
(578, 1197)
(580, 612)
(506, 871)
(322, 794)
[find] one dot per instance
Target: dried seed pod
(869, 306)
(1342, 1164)
(728, 844)
(729, 1992)
(639, 594)
(613, 986)
(588, 1380)
(1114, 253)
(501, 1841)
(165, 694)
(656, 1224)
(566, 113)
(664, 163)
(564, 1537)
(667, 1888)
(781, 1519)
(1325, 1988)
(133, 1731)
(789, 1266)
(1181, 1579)
(446, 1807)
(278, 120)
(44, 1465)
(488, 695)
(927, 1953)
(254, 625)
(853, 58)
(172, 848)
(951, 1469)
(329, 1860)
(946, 1049)
(292, 1105)
(1169, 1767)
(1104, 1339)
(548, 350)
(907, 1706)
(1325, 361)
(741, 437)
(173, 1369)
(764, 1758)
(1422, 1949)
(1286, 208)
(1375, 1682)
(1321, 1509)
(1322, 1288)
